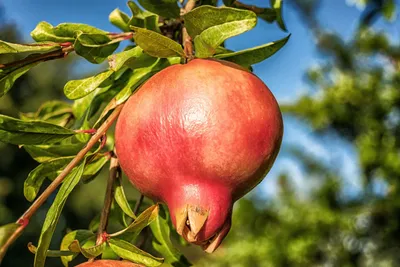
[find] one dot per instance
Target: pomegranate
(198, 137)
(109, 263)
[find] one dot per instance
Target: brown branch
(40, 58)
(115, 172)
(23, 221)
(138, 203)
(255, 9)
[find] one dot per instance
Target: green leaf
(20, 132)
(135, 9)
(10, 48)
(162, 242)
(211, 26)
(117, 61)
(51, 253)
(75, 89)
(55, 112)
(121, 199)
(8, 78)
(44, 31)
(251, 56)
(155, 44)
(54, 214)
(119, 19)
(268, 14)
(129, 252)
(205, 17)
(143, 220)
(389, 10)
(6, 231)
(88, 252)
(72, 29)
(82, 236)
(277, 5)
(50, 170)
(64, 32)
(164, 8)
(43, 153)
(94, 167)
(95, 48)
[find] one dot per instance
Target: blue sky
(283, 73)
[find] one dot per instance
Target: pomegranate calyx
(190, 220)
(214, 242)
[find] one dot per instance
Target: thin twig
(115, 172)
(23, 221)
(255, 9)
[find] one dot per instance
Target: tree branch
(186, 39)
(23, 221)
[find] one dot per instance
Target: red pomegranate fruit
(109, 263)
(198, 137)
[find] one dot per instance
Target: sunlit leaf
(121, 199)
(43, 153)
(94, 167)
(254, 55)
(54, 213)
(277, 5)
(88, 252)
(117, 61)
(155, 44)
(75, 89)
(10, 48)
(51, 253)
(55, 112)
(82, 236)
(119, 19)
(44, 31)
(211, 26)
(143, 220)
(6, 231)
(20, 132)
(95, 47)
(129, 252)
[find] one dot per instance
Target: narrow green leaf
(164, 8)
(155, 44)
(82, 236)
(10, 48)
(75, 89)
(119, 19)
(121, 199)
(44, 153)
(64, 32)
(6, 231)
(117, 61)
(7, 79)
(89, 252)
(54, 214)
(48, 170)
(251, 56)
(162, 242)
(51, 253)
(204, 17)
(95, 48)
(277, 5)
(135, 9)
(44, 31)
(72, 29)
(128, 251)
(208, 41)
(94, 167)
(55, 112)
(143, 220)
(20, 132)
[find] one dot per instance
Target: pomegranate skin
(109, 263)
(198, 137)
